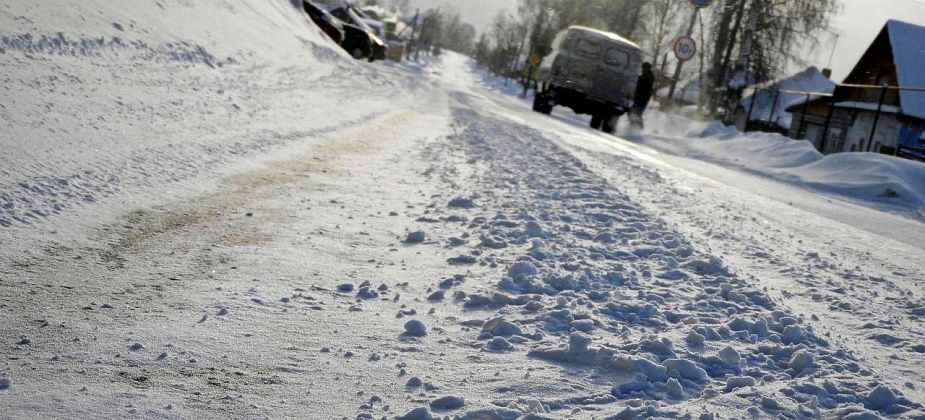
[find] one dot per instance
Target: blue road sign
(700, 4)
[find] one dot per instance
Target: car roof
(601, 34)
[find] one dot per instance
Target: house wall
(887, 134)
(811, 131)
(814, 130)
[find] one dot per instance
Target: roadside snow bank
(110, 104)
(866, 177)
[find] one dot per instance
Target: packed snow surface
(210, 211)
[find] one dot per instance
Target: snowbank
(106, 103)
(870, 178)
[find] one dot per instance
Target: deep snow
(275, 230)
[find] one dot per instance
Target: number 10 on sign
(685, 48)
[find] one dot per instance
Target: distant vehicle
(378, 50)
(592, 72)
(333, 27)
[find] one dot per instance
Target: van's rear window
(616, 57)
(588, 48)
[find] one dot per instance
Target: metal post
(873, 130)
(825, 131)
(677, 69)
(412, 44)
(803, 119)
(751, 107)
(774, 106)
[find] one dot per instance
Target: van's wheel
(609, 124)
(356, 53)
(596, 121)
(541, 104)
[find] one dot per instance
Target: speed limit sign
(685, 48)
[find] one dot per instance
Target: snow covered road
(399, 240)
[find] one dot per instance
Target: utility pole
(746, 50)
(734, 90)
(414, 32)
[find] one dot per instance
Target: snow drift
(106, 103)
(873, 178)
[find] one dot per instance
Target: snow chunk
(461, 203)
(583, 325)
(674, 389)
(499, 344)
(416, 237)
(880, 398)
(736, 382)
(695, 339)
(800, 361)
(522, 269)
(462, 260)
(730, 356)
(415, 328)
(792, 334)
(533, 230)
(420, 413)
(449, 402)
(685, 369)
(414, 382)
(499, 327)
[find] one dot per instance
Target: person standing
(644, 88)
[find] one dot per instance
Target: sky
(856, 26)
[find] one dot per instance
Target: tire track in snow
(609, 290)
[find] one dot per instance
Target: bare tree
(662, 18)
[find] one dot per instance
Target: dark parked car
(358, 40)
(331, 26)
(353, 16)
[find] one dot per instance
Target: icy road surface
(333, 239)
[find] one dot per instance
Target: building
(880, 107)
(767, 108)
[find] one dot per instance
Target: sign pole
(677, 69)
(698, 4)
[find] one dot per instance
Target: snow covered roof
(609, 35)
(909, 57)
(768, 101)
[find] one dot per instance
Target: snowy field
(208, 210)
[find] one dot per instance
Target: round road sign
(684, 48)
(700, 4)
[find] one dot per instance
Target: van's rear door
(613, 74)
(581, 64)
